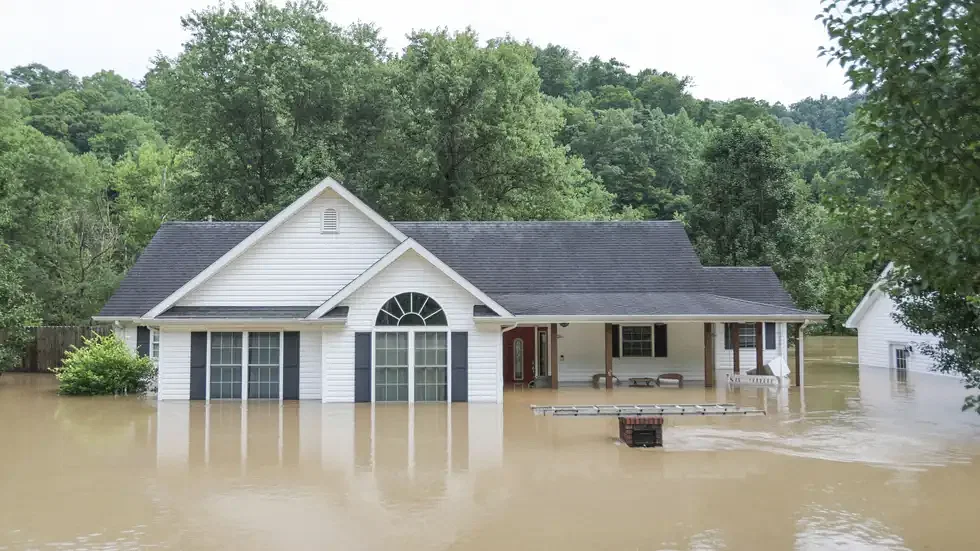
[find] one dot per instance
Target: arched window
(411, 309)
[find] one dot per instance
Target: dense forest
(264, 101)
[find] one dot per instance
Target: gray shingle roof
(178, 252)
(523, 264)
(638, 304)
(755, 283)
(531, 268)
(541, 257)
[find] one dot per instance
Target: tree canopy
(265, 100)
(917, 63)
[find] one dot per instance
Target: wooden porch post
(758, 348)
(799, 353)
(553, 355)
(609, 346)
(709, 357)
(735, 347)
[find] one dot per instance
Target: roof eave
(243, 321)
(561, 318)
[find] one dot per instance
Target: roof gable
(267, 228)
(156, 275)
(390, 258)
(869, 298)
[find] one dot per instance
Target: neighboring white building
(329, 301)
(882, 341)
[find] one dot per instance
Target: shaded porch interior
(702, 353)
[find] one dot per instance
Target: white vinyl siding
(297, 264)
(310, 372)
(725, 359)
(877, 331)
(338, 365)
(485, 382)
(583, 347)
(127, 334)
(174, 381)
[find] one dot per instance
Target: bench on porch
(671, 377)
(598, 376)
(643, 381)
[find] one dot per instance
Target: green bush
(104, 365)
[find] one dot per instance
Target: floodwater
(861, 459)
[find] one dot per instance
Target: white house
(882, 341)
(329, 301)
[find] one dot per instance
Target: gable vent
(328, 221)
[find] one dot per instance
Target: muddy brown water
(860, 459)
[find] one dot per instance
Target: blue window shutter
(460, 366)
(362, 367)
(660, 340)
(290, 365)
(143, 340)
(615, 343)
(770, 335)
(199, 365)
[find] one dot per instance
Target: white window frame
(244, 366)
(411, 330)
(155, 346)
(622, 349)
(893, 348)
(736, 340)
(751, 328)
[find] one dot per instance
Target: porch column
(609, 346)
(733, 338)
(758, 348)
(799, 353)
(709, 356)
(553, 355)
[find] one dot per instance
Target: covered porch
(699, 352)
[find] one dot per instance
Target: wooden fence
(51, 342)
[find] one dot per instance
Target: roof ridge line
(738, 267)
(212, 222)
(536, 222)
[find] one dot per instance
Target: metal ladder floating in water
(645, 410)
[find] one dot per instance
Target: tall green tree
(749, 208)
(918, 63)
(259, 95)
(54, 215)
(464, 133)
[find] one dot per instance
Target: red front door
(519, 355)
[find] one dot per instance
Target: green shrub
(104, 365)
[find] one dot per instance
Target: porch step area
(645, 410)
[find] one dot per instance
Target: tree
(749, 209)
(645, 159)
(54, 215)
(20, 309)
(556, 67)
(259, 95)
(453, 130)
(917, 62)
(830, 115)
(40, 82)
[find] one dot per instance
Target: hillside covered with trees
(265, 101)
